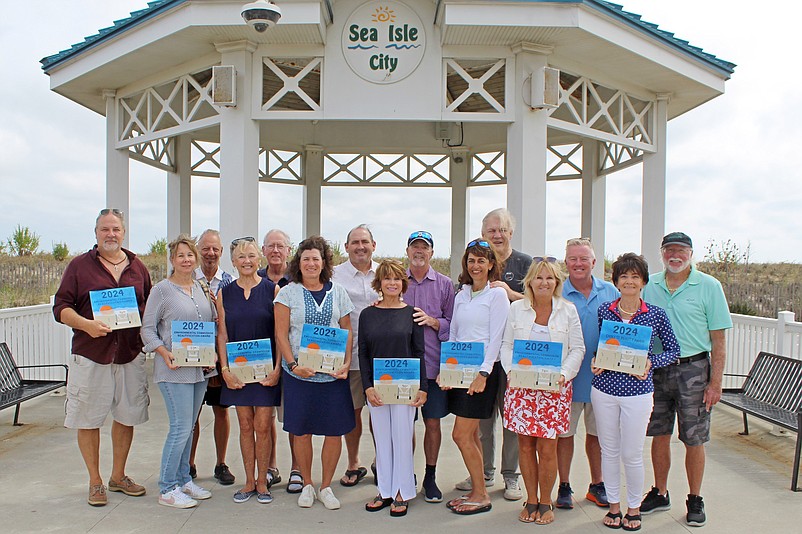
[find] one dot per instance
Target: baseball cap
(677, 238)
(423, 236)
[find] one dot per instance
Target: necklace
(622, 310)
(113, 264)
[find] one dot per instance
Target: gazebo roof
(614, 10)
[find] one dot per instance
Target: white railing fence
(35, 338)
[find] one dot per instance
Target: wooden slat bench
(14, 390)
(772, 391)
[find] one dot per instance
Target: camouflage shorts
(680, 390)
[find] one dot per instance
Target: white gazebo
(391, 93)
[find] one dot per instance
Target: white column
(526, 154)
(459, 175)
(313, 184)
(653, 217)
(117, 170)
(593, 201)
(179, 189)
(239, 150)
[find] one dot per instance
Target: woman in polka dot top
(622, 402)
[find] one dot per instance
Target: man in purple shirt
(432, 296)
(107, 369)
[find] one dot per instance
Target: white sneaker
(512, 490)
(326, 496)
(177, 499)
(466, 485)
(307, 497)
(195, 491)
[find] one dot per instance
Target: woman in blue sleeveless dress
(246, 314)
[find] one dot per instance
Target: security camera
(261, 14)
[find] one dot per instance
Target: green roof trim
(615, 11)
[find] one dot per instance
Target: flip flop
(611, 515)
(376, 500)
(453, 503)
(635, 517)
(531, 508)
(478, 508)
(359, 473)
(397, 504)
(542, 508)
(295, 484)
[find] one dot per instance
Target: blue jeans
(183, 402)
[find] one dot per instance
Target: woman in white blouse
(479, 315)
(538, 416)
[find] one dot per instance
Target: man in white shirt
(356, 276)
(211, 248)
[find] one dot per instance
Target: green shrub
(23, 242)
(742, 308)
(60, 251)
(158, 247)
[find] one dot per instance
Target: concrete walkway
(43, 485)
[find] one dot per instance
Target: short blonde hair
(184, 239)
(242, 244)
(554, 268)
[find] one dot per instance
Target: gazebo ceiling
(588, 37)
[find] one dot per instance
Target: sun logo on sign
(384, 14)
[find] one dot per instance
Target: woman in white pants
(387, 330)
(623, 402)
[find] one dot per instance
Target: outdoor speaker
(224, 85)
(545, 85)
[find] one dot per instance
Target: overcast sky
(731, 170)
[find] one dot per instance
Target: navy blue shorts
(436, 406)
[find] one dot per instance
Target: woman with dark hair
(622, 402)
(539, 417)
(178, 298)
(245, 307)
(480, 312)
(314, 403)
(387, 330)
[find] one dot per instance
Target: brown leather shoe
(127, 486)
(97, 495)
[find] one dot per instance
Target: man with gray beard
(696, 305)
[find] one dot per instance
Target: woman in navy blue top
(623, 402)
(245, 308)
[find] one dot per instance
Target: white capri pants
(621, 425)
(393, 427)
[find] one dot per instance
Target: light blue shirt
(588, 309)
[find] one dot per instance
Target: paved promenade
(43, 486)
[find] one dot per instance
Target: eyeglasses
(547, 259)
(239, 240)
(478, 243)
(275, 246)
(114, 211)
(420, 235)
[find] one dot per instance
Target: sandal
(296, 482)
(542, 510)
(453, 503)
(273, 476)
(613, 516)
(628, 517)
(394, 512)
(378, 504)
(531, 511)
(357, 474)
(475, 508)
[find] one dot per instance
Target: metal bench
(772, 391)
(14, 390)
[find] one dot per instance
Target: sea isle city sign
(383, 42)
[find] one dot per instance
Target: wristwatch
(484, 373)
(292, 365)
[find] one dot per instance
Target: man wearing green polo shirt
(699, 315)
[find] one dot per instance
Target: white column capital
(663, 97)
(313, 149)
(236, 46)
(109, 94)
(532, 48)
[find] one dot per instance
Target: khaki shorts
(590, 420)
(357, 392)
(94, 390)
